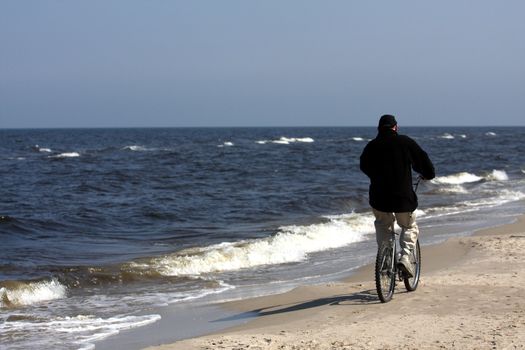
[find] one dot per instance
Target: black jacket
(388, 161)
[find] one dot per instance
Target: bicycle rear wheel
(415, 258)
(385, 273)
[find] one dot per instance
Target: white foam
(457, 179)
(490, 133)
(290, 244)
(304, 139)
(453, 189)
(32, 293)
(135, 148)
(287, 140)
(447, 136)
(41, 149)
(420, 213)
(101, 327)
(84, 328)
(504, 196)
(498, 175)
(358, 139)
(226, 144)
(66, 155)
(203, 293)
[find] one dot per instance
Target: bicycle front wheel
(385, 273)
(415, 258)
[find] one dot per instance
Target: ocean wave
(6, 218)
(447, 136)
(497, 175)
(358, 139)
(286, 140)
(37, 148)
(457, 179)
(420, 213)
(290, 244)
(464, 177)
(503, 197)
(135, 148)
(497, 199)
(85, 329)
(490, 133)
(66, 155)
(14, 294)
(452, 189)
(226, 144)
(45, 150)
(140, 148)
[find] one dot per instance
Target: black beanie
(387, 121)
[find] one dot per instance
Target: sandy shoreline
(471, 296)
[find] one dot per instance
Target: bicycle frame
(387, 273)
(394, 243)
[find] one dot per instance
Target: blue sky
(260, 63)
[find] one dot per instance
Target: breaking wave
(498, 175)
(37, 148)
(453, 189)
(135, 148)
(286, 140)
(66, 155)
(22, 293)
(504, 196)
(464, 178)
(447, 136)
(290, 244)
(84, 328)
(457, 179)
(226, 144)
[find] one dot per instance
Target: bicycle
(387, 272)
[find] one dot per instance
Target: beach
(470, 297)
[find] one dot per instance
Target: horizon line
(249, 127)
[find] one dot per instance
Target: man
(388, 161)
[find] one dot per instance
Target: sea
(101, 227)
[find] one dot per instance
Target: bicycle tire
(385, 272)
(415, 257)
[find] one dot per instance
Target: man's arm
(364, 162)
(421, 163)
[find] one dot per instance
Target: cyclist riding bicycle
(388, 160)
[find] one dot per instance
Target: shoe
(406, 266)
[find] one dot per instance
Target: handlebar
(416, 185)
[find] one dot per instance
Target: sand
(471, 296)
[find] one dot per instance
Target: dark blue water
(94, 216)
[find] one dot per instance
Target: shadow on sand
(360, 298)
